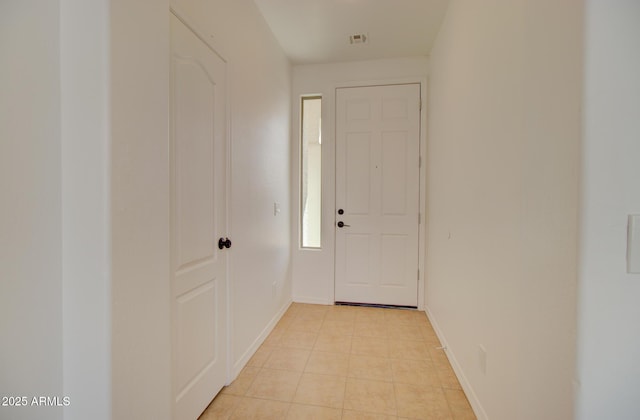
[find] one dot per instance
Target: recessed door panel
(395, 108)
(394, 173)
(394, 249)
(195, 313)
(358, 109)
(195, 162)
(358, 154)
(357, 259)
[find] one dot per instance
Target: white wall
(55, 266)
(139, 168)
(503, 161)
(30, 209)
(259, 96)
(609, 342)
(313, 269)
(86, 279)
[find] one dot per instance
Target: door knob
(341, 224)
(224, 243)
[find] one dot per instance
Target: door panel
(394, 163)
(193, 164)
(194, 101)
(394, 108)
(194, 314)
(358, 174)
(357, 259)
(198, 202)
(377, 186)
(393, 264)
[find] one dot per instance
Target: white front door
(377, 192)
(198, 219)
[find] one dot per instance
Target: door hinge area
(420, 104)
(419, 218)
(418, 278)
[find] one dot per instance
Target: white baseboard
(312, 300)
(457, 369)
(246, 356)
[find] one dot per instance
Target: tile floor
(344, 362)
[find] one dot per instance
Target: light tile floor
(345, 362)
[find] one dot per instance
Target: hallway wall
(30, 206)
(503, 165)
(139, 209)
(86, 264)
(609, 342)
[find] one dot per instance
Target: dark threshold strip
(374, 305)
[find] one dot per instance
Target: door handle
(341, 224)
(224, 243)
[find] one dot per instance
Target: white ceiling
(317, 31)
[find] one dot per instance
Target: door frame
(216, 49)
(314, 266)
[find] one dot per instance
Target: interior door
(377, 194)
(198, 266)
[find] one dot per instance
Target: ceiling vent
(358, 39)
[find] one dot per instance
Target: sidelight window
(311, 172)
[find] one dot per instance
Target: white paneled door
(198, 219)
(377, 194)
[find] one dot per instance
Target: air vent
(358, 39)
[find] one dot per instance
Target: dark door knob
(224, 243)
(340, 211)
(341, 224)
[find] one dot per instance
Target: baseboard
(457, 369)
(246, 356)
(312, 300)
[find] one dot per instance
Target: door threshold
(374, 305)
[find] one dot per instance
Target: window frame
(301, 180)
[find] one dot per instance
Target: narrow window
(310, 172)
